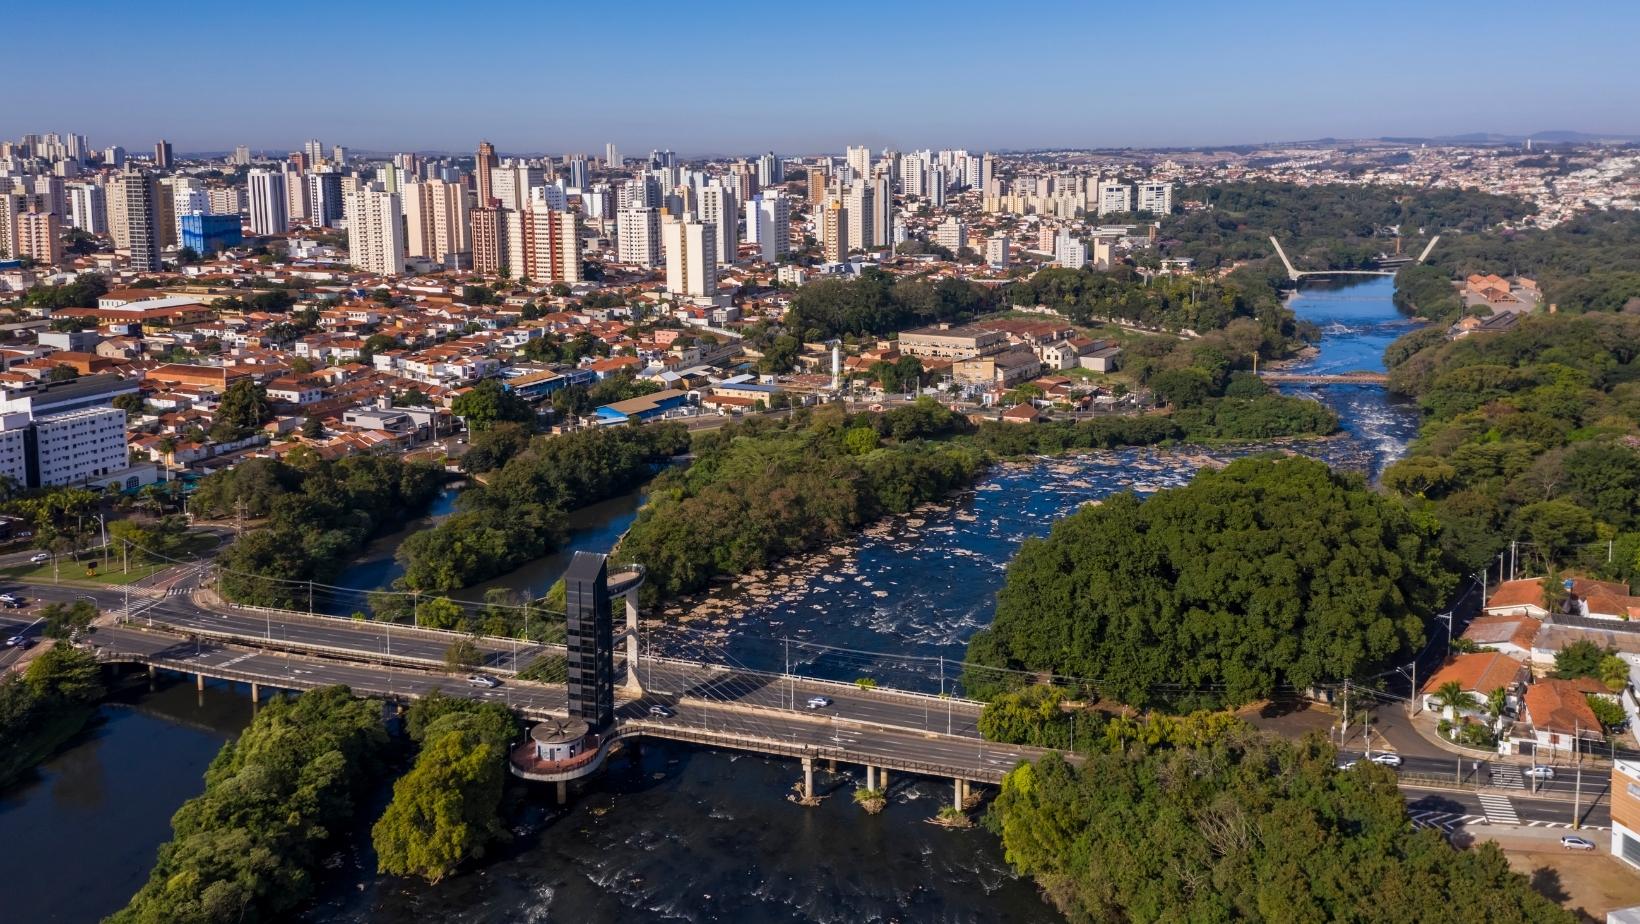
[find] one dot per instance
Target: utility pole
(1577, 791)
(1514, 556)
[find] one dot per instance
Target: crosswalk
(1447, 821)
(1499, 810)
(1507, 776)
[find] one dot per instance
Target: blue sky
(737, 77)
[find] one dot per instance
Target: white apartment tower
(638, 236)
(691, 256)
(375, 231)
(436, 222)
(1069, 251)
(88, 208)
(719, 209)
(1156, 198)
(768, 224)
(1115, 198)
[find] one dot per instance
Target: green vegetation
(518, 513)
(1042, 716)
(318, 517)
(1167, 302)
(1270, 573)
(1324, 227)
(1528, 435)
(44, 706)
(246, 849)
(1588, 264)
(489, 402)
(1244, 827)
(244, 406)
(445, 810)
(763, 489)
(876, 304)
(584, 399)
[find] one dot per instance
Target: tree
(1582, 658)
(313, 428)
(462, 655)
(1269, 572)
(1452, 699)
(244, 406)
(860, 440)
(445, 810)
(65, 619)
(1610, 714)
(132, 405)
(488, 402)
(1614, 673)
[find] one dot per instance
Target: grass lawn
(69, 569)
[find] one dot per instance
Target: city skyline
(1265, 73)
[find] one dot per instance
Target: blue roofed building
(644, 407)
(208, 234)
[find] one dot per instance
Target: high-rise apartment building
(88, 208)
(859, 200)
(576, 166)
(833, 225)
(134, 197)
(996, 251)
(768, 224)
(819, 176)
(39, 235)
(297, 198)
(489, 231)
(375, 231)
(612, 156)
(483, 164)
(241, 156)
(1115, 198)
(720, 208)
(951, 235)
(1156, 198)
(325, 205)
(691, 256)
(769, 171)
(552, 245)
(509, 185)
(859, 160)
(436, 222)
(638, 236)
(1069, 251)
(162, 155)
(313, 153)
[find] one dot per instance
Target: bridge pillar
(957, 793)
(808, 778)
(199, 682)
(871, 777)
(882, 779)
(630, 598)
(256, 693)
(563, 791)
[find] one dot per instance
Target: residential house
(1478, 673)
(1556, 715)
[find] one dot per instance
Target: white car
(1387, 759)
(1573, 842)
(818, 702)
(483, 680)
(40, 557)
(1540, 772)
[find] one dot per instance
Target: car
(1387, 759)
(1540, 772)
(11, 601)
(39, 558)
(661, 712)
(1573, 842)
(19, 641)
(483, 680)
(818, 702)
(1348, 765)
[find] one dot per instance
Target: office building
(313, 153)
(612, 156)
(268, 202)
(135, 218)
(375, 231)
(768, 224)
(88, 208)
(721, 209)
(436, 222)
(576, 167)
(638, 236)
(162, 155)
(552, 245)
(691, 256)
(114, 156)
(1156, 198)
(208, 234)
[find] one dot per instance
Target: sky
(734, 77)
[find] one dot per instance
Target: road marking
(1499, 810)
(1507, 776)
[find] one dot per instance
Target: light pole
(1411, 673)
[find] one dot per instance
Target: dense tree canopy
(1245, 827)
(44, 705)
(488, 402)
(1270, 572)
(876, 304)
(245, 851)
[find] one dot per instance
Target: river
(677, 833)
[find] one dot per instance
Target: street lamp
(1410, 672)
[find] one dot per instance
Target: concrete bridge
(1341, 378)
(1296, 274)
(883, 730)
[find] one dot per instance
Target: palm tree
(1451, 697)
(1495, 702)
